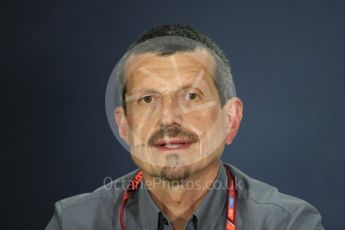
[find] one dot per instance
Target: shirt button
(165, 222)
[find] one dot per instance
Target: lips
(173, 144)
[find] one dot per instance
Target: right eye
(145, 99)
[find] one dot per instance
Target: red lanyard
(231, 199)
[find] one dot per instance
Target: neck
(180, 200)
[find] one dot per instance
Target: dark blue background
(288, 64)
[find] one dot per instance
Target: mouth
(173, 144)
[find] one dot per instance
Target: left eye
(192, 96)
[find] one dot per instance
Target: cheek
(210, 123)
(141, 124)
(204, 120)
(205, 116)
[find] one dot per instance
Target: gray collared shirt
(209, 215)
(259, 206)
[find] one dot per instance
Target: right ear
(121, 121)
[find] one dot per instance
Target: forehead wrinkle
(200, 56)
(196, 61)
(198, 82)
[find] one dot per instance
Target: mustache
(172, 131)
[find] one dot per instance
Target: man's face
(174, 117)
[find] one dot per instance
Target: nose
(169, 111)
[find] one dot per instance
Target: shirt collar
(148, 210)
(213, 203)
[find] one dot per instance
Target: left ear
(233, 110)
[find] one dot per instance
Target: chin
(176, 173)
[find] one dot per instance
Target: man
(178, 111)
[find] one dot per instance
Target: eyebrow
(190, 86)
(138, 92)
